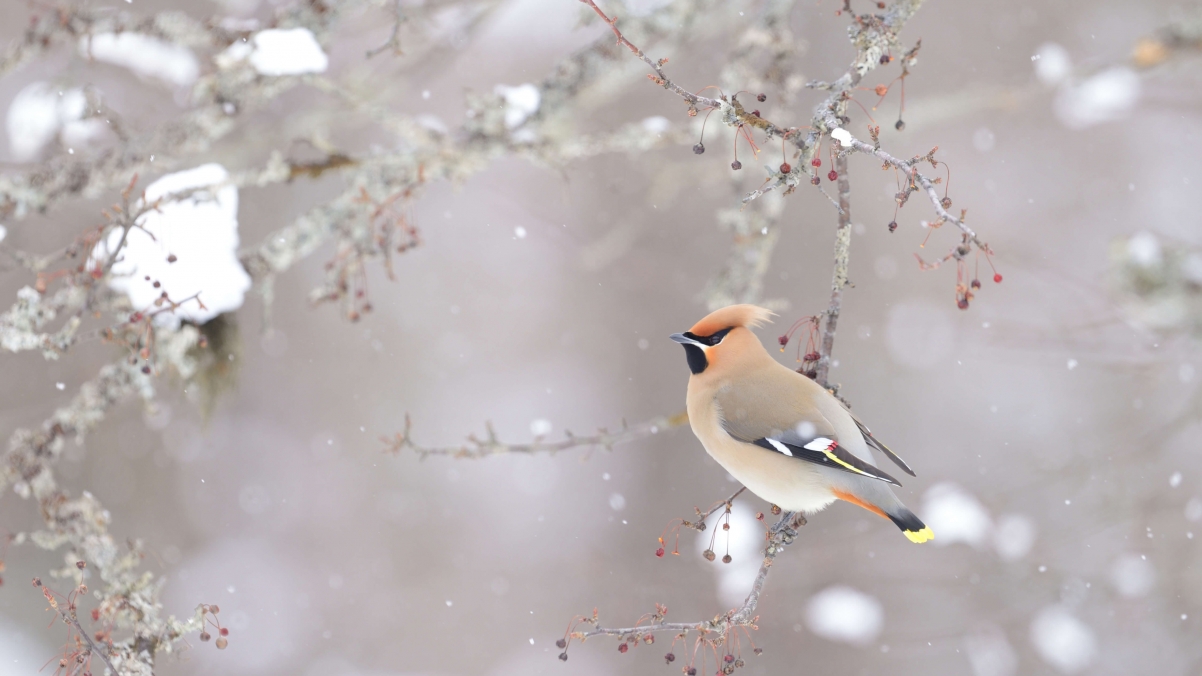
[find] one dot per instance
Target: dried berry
(892, 226)
(814, 180)
(171, 258)
(758, 651)
(649, 639)
(622, 647)
(563, 657)
(728, 658)
(726, 559)
(726, 526)
(214, 609)
(976, 284)
(736, 165)
(221, 643)
(783, 340)
(997, 278)
(785, 168)
(708, 554)
(761, 98)
(756, 113)
(692, 671)
(146, 369)
(834, 175)
(699, 148)
(775, 510)
(739, 663)
(946, 202)
(561, 644)
(81, 564)
(204, 636)
(885, 59)
(900, 125)
(962, 303)
(660, 552)
(670, 657)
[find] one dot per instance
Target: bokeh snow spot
(1133, 575)
(201, 232)
(520, 102)
(1014, 536)
(145, 56)
(1063, 641)
(37, 114)
(1109, 95)
(1052, 64)
(840, 613)
(989, 653)
(956, 515)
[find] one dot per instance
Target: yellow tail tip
(920, 536)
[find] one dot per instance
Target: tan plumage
(779, 433)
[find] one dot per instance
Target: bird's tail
(911, 526)
(909, 523)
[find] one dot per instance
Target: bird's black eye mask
(695, 355)
(710, 340)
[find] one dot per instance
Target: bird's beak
(684, 340)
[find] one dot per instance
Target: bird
(779, 433)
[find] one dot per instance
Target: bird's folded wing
(777, 414)
(873, 442)
(827, 452)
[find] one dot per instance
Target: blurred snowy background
(1050, 424)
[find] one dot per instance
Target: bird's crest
(748, 316)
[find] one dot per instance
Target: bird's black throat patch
(696, 357)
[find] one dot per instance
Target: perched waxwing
(782, 435)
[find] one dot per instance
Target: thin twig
(492, 445)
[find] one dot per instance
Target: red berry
(833, 175)
(622, 647)
(962, 303)
(660, 552)
(816, 162)
(729, 658)
(785, 168)
(224, 632)
(997, 278)
(783, 340)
